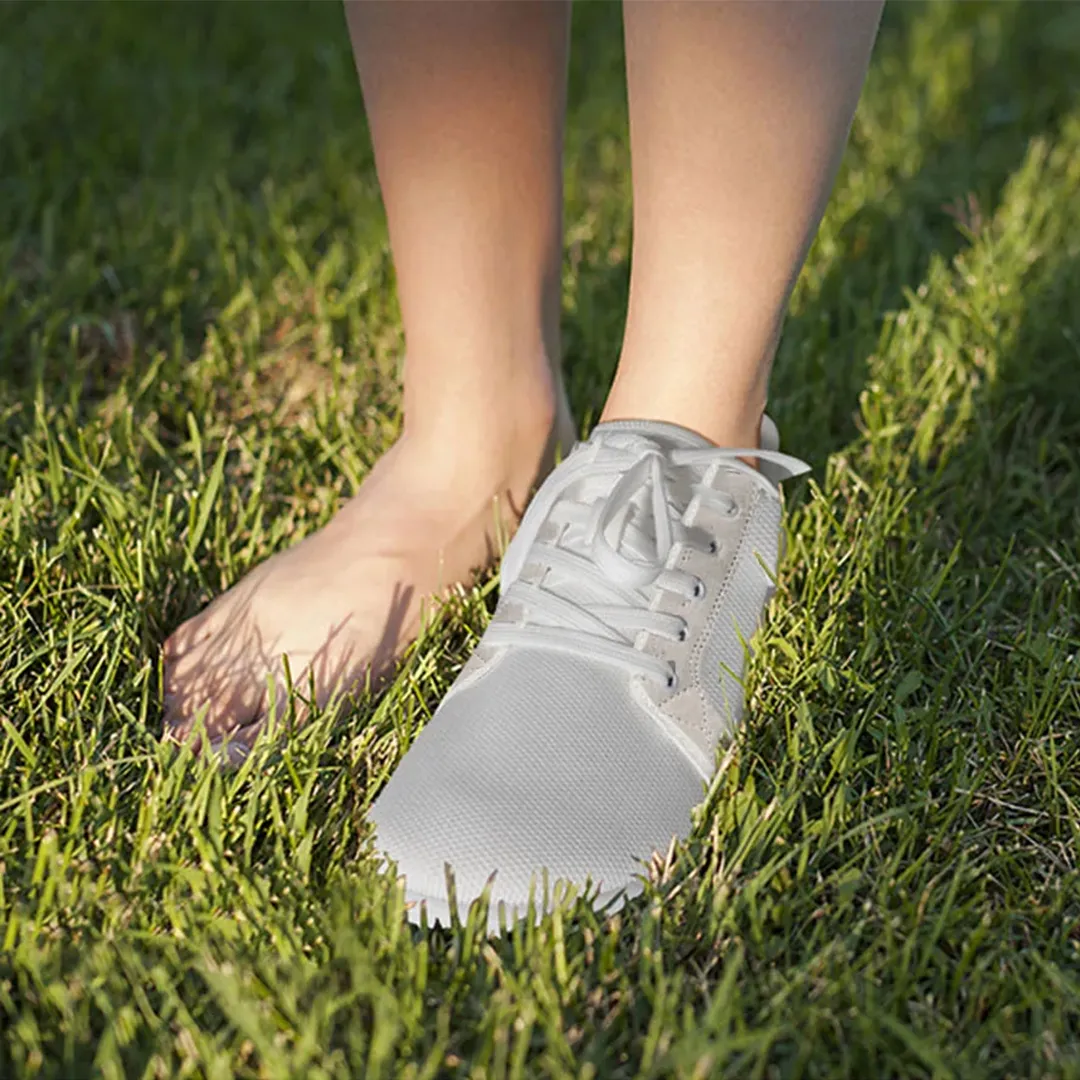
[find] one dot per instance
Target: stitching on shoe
(694, 660)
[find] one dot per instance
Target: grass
(198, 356)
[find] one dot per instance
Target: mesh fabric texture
(544, 763)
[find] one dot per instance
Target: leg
(465, 103)
(738, 117)
(585, 725)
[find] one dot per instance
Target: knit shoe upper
(581, 733)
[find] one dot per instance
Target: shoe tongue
(666, 436)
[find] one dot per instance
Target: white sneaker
(583, 730)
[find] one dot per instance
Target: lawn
(199, 346)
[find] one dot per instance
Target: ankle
(503, 442)
(708, 372)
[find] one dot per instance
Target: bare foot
(345, 602)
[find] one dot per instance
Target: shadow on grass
(252, 140)
(144, 182)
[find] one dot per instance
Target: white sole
(438, 907)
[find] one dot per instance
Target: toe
(281, 714)
(203, 690)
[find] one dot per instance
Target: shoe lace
(612, 523)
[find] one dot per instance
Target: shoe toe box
(545, 763)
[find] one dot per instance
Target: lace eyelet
(699, 590)
(714, 547)
(682, 635)
(672, 680)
